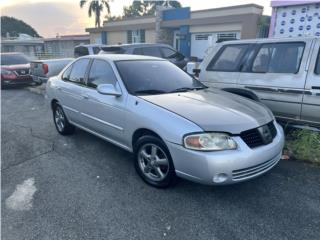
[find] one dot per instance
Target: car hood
(214, 110)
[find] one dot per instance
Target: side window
(101, 73)
(66, 74)
(317, 68)
(78, 71)
(278, 58)
(152, 51)
(137, 51)
(228, 58)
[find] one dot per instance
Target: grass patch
(303, 145)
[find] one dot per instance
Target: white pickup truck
(42, 70)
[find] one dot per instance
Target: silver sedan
(173, 124)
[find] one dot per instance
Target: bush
(304, 145)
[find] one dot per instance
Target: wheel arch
(142, 132)
(53, 102)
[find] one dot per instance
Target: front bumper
(230, 166)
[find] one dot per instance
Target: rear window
(112, 50)
(278, 58)
(152, 51)
(81, 51)
(13, 59)
(228, 58)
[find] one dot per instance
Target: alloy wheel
(59, 119)
(153, 162)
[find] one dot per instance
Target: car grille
(244, 173)
(259, 136)
(22, 72)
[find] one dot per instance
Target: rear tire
(60, 121)
(153, 162)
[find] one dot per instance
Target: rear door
(311, 101)
(224, 68)
(70, 91)
(276, 74)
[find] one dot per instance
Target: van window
(81, 51)
(137, 51)
(278, 58)
(228, 58)
(96, 50)
(317, 68)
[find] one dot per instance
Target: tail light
(45, 68)
(7, 74)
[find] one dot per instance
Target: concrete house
(190, 32)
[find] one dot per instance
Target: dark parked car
(148, 49)
(15, 69)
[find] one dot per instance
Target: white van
(284, 74)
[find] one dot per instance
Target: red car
(15, 69)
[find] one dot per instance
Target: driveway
(80, 187)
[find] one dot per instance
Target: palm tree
(96, 7)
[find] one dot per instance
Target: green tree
(15, 26)
(146, 8)
(96, 7)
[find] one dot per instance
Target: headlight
(209, 142)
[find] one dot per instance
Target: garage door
(200, 42)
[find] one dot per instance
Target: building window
(136, 36)
(202, 36)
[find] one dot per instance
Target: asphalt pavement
(81, 187)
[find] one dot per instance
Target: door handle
(315, 87)
(84, 96)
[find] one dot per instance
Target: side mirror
(109, 89)
(190, 67)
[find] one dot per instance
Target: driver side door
(105, 114)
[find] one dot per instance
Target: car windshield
(13, 59)
(155, 77)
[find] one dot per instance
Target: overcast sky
(50, 17)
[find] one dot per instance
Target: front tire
(153, 162)
(61, 122)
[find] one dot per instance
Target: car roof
(266, 40)
(91, 45)
(122, 57)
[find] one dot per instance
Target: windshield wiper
(149, 91)
(186, 89)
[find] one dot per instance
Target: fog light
(220, 178)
